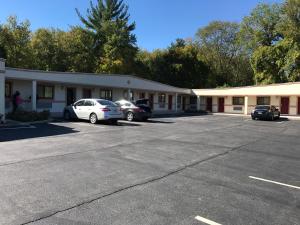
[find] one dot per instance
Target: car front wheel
(93, 118)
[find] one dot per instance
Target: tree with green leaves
(260, 27)
(49, 49)
(278, 60)
(220, 48)
(114, 42)
(177, 65)
(80, 50)
(15, 43)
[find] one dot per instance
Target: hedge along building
(41, 90)
(242, 100)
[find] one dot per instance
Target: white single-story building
(42, 90)
(242, 100)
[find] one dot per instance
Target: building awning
(285, 89)
(102, 80)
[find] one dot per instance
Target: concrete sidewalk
(247, 116)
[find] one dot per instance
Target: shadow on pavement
(33, 131)
(281, 119)
(158, 121)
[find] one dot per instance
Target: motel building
(42, 90)
(242, 100)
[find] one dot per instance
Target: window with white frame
(106, 94)
(45, 91)
(238, 100)
(262, 100)
(131, 94)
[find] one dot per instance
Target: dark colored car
(265, 112)
(132, 112)
(144, 104)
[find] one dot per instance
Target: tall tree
(177, 65)
(259, 28)
(277, 59)
(221, 49)
(114, 42)
(49, 49)
(80, 50)
(15, 42)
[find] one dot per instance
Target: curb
(17, 123)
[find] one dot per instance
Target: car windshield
(262, 107)
(106, 103)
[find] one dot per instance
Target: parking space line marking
(274, 182)
(207, 221)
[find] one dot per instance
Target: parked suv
(265, 112)
(144, 104)
(93, 110)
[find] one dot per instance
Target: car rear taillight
(138, 110)
(105, 109)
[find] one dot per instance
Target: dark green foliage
(115, 45)
(263, 48)
(25, 116)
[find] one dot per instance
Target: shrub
(25, 116)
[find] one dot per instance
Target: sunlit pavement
(186, 170)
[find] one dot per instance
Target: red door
(170, 102)
(220, 104)
(298, 105)
(151, 100)
(209, 104)
(285, 105)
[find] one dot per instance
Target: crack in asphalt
(145, 182)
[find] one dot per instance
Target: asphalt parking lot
(186, 170)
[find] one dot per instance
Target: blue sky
(159, 22)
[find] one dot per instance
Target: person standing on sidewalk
(17, 100)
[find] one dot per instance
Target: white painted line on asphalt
(274, 182)
(18, 128)
(207, 221)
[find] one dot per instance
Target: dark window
(142, 95)
(263, 100)
(45, 91)
(193, 100)
(80, 103)
(86, 93)
(8, 90)
(106, 94)
(238, 101)
(179, 102)
(161, 100)
(89, 103)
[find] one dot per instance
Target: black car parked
(265, 112)
(133, 112)
(144, 104)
